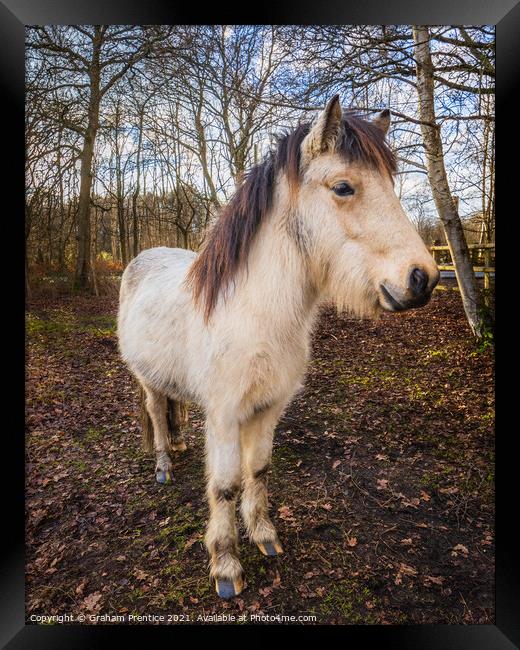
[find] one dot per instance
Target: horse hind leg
(176, 416)
(161, 424)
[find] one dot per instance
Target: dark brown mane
(230, 240)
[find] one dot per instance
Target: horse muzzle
(417, 293)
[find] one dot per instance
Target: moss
(56, 321)
(203, 589)
(63, 321)
(102, 326)
(93, 435)
(284, 455)
(49, 395)
(183, 524)
(36, 325)
(436, 354)
(174, 596)
(442, 354)
(179, 533)
(139, 502)
(372, 377)
(135, 595)
(173, 569)
(254, 563)
(347, 599)
(417, 393)
(431, 481)
(80, 465)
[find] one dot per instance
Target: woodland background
(135, 136)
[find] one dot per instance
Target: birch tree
(444, 201)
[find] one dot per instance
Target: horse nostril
(418, 281)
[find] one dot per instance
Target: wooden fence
(482, 257)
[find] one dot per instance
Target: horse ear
(324, 134)
(382, 121)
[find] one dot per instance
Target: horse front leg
(257, 444)
(223, 486)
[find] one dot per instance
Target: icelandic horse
(229, 328)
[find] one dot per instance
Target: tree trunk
(27, 281)
(203, 156)
(135, 196)
(122, 229)
(87, 155)
(444, 201)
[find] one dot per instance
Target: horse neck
(277, 280)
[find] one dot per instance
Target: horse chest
(272, 376)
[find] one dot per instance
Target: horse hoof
(227, 589)
(163, 476)
(179, 446)
(271, 549)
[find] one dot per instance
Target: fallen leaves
(80, 587)
(452, 489)
(140, 575)
(404, 570)
(192, 540)
(409, 503)
(375, 472)
(91, 602)
(164, 522)
(267, 591)
(487, 540)
(284, 512)
(459, 548)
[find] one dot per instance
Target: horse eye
(343, 189)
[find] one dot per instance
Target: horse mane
(230, 239)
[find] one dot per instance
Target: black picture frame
(14, 15)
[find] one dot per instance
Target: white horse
(230, 328)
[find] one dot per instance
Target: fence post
(435, 252)
(487, 264)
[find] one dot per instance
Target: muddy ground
(382, 486)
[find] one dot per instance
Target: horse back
(159, 261)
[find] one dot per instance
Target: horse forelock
(227, 248)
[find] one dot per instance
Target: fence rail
(482, 257)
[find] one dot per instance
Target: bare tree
(446, 206)
(137, 135)
(95, 58)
